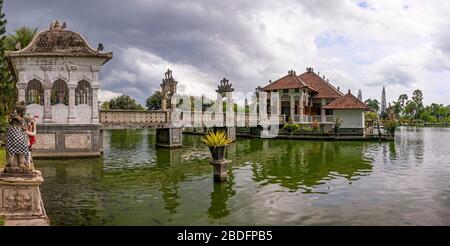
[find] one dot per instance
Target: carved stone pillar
(292, 107)
(72, 117)
(21, 87)
(300, 106)
(322, 110)
(95, 104)
(47, 103)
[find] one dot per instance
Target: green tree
(417, 98)
(370, 117)
(125, 102)
(7, 85)
(373, 104)
(22, 35)
(402, 99)
(154, 101)
(105, 105)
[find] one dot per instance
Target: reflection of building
(57, 77)
(304, 97)
(305, 165)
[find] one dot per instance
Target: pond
(271, 182)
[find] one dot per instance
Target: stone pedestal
(20, 197)
(169, 137)
(220, 170)
(230, 131)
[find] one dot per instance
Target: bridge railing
(209, 119)
(189, 118)
(114, 116)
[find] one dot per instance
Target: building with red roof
(310, 97)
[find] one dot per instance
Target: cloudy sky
(365, 45)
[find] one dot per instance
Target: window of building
(297, 90)
(285, 90)
(83, 93)
(34, 93)
(60, 93)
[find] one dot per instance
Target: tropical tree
(373, 104)
(7, 86)
(124, 102)
(370, 117)
(402, 99)
(154, 101)
(22, 35)
(417, 98)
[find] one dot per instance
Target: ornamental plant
(391, 126)
(290, 127)
(216, 139)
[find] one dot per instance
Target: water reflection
(274, 181)
(219, 198)
(305, 164)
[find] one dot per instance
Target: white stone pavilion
(57, 76)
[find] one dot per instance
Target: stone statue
(168, 88)
(17, 150)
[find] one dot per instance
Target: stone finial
(309, 69)
(168, 74)
(57, 26)
(224, 86)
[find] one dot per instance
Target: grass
(2, 158)
(2, 221)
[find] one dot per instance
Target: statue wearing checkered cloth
(17, 151)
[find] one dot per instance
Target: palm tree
(373, 104)
(23, 35)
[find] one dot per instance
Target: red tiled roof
(290, 81)
(347, 102)
(324, 89)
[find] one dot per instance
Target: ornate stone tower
(57, 77)
(168, 88)
(383, 101)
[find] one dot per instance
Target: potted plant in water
(216, 141)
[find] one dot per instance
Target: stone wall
(61, 140)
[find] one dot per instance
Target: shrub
(391, 126)
(290, 127)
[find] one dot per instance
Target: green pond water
(271, 182)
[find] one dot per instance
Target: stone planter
(217, 153)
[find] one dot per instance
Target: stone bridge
(128, 119)
(169, 135)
